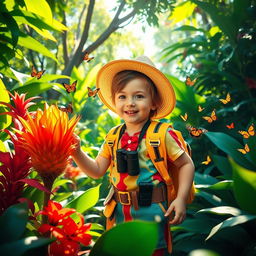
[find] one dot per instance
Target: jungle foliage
(217, 53)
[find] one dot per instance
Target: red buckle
(124, 193)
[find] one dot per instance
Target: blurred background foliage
(213, 43)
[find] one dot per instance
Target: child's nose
(130, 101)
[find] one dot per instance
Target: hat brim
(163, 85)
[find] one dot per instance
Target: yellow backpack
(155, 144)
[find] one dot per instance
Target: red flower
(20, 107)
(14, 167)
(56, 213)
(68, 233)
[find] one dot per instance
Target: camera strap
(142, 132)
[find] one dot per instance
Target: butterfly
(230, 126)
(244, 150)
(87, 58)
(190, 82)
(200, 109)
(227, 100)
(185, 117)
(207, 161)
(92, 93)
(196, 132)
(249, 132)
(67, 109)
(211, 118)
(36, 74)
(70, 88)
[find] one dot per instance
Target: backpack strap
(112, 139)
(155, 143)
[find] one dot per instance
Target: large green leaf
(230, 222)
(229, 145)
(19, 247)
(244, 187)
(13, 222)
(33, 89)
(34, 20)
(86, 200)
(135, 238)
(30, 43)
(12, 26)
(5, 120)
(222, 210)
(44, 10)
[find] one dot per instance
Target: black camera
(127, 162)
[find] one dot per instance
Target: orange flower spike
(48, 138)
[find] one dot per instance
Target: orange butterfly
(190, 82)
(211, 118)
(227, 100)
(87, 58)
(185, 117)
(67, 109)
(70, 88)
(207, 161)
(36, 74)
(250, 132)
(244, 150)
(230, 126)
(200, 109)
(196, 132)
(92, 93)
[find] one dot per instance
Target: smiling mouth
(130, 112)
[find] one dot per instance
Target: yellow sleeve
(105, 151)
(173, 146)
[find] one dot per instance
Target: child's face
(133, 103)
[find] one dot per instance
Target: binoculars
(127, 162)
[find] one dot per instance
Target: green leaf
(12, 25)
(203, 252)
(85, 201)
(244, 187)
(222, 185)
(34, 20)
(30, 43)
(33, 89)
(44, 10)
(222, 210)
(229, 145)
(230, 222)
(13, 222)
(5, 120)
(18, 248)
(134, 238)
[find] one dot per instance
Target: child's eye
(139, 96)
(121, 97)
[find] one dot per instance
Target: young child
(138, 93)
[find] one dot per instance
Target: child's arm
(186, 175)
(94, 168)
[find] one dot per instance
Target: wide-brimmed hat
(144, 65)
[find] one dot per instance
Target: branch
(113, 26)
(86, 27)
(64, 41)
(79, 22)
(78, 52)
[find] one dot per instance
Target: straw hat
(144, 65)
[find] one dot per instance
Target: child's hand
(178, 207)
(76, 143)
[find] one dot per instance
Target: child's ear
(153, 107)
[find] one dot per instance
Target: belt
(131, 197)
